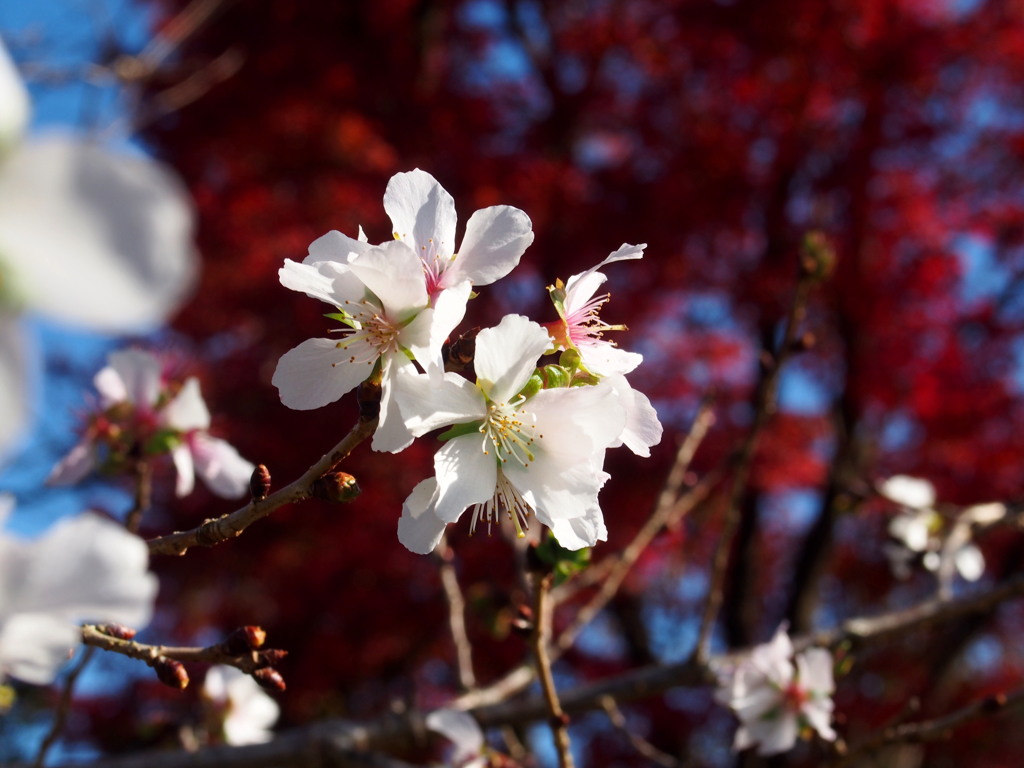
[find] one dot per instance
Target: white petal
(970, 562)
(581, 287)
(911, 492)
(465, 476)
(14, 403)
(581, 532)
(419, 528)
(78, 463)
(577, 422)
(220, 465)
(391, 434)
(449, 309)
(33, 646)
(814, 667)
(249, 711)
(461, 729)
(912, 529)
(819, 714)
(141, 375)
(776, 736)
(89, 568)
(422, 212)
(642, 429)
(428, 404)
(327, 281)
(394, 274)
(184, 466)
(507, 354)
(187, 411)
(495, 241)
(96, 238)
(14, 103)
(985, 514)
(605, 359)
(336, 247)
(315, 373)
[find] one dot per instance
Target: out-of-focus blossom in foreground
(238, 706)
(142, 414)
(84, 568)
(778, 696)
(90, 237)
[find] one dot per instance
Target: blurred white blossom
(88, 236)
(239, 706)
(84, 568)
(777, 695)
(142, 413)
(919, 531)
(465, 734)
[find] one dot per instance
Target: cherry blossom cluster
(142, 413)
(779, 696)
(525, 437)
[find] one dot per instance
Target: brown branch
(539, 640)
(935, 728)
(166, 660)
(456, 615)
(213, 532)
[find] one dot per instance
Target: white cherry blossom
(239, 706)
(776, 695)
(137, 411)
(510, 456)
(381, 297)
(580, 326)
(84, 568)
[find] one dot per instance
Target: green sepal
(564, 563)
(459, 430)
(342, 317)
(555, 376)
(584, 379)
(163, 441)
(534, 385)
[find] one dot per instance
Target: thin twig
(247, 661)
(639, 743)
(60, 716)
(143, 495)
(229, 526)
(539, 638)
(764, 400)
(669, 509)
(935, 728)
(456, 615)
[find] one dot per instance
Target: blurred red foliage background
(719, 133)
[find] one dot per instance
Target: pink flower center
(794, 697)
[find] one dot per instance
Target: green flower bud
(555, 376)
(570, 359)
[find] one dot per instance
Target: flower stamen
(506, 499)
